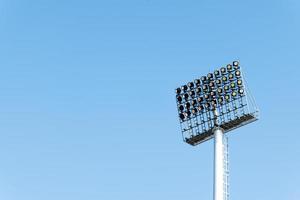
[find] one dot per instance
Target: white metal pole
(219, 165)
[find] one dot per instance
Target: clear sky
(87, 106)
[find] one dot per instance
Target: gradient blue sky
(87, 107)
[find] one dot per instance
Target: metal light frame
(219, 99)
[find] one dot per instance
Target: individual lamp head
(203, 79)
(194, 111)
(241, 91)
(214, 103)
(207, 105)
(188, 113)
(224, 78)
(223, 70)
(234, 94)
(181, 107)
(227, 98)
(179, 99)
(178, 90)
(217, 73)
(230, 76)
(229, 67)
(182, 116)
(186, 96)
(200, 108)
(218, 82)
(192, 93)
(184, 88)
(220, 100)
(211, 84)
(237, 73)
(240, 83)
(204, 88)
(235, 63)
(187, 105)
(213, 94)
(197, 82)
(220, 91)
(191, 85)
(210, 76)
(226, 88)
(206, 96)
(198, 90)
(200, 100)
(232, 85)
(194, 102)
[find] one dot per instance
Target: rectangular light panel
(222, 92)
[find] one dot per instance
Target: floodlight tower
(211, 106)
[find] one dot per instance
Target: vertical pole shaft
(218, 165)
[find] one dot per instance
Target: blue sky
(87, 106)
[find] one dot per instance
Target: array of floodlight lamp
(218, 99)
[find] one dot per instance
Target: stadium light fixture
(211, 106)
